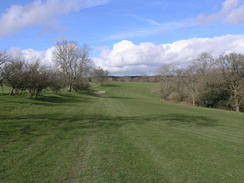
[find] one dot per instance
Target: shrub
(81, 84)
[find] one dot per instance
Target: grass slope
(126, 136)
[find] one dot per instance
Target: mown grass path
(126, 136)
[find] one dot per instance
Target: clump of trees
(206, 81)
(21, 77)
(73, 70)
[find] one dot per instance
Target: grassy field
(128, 135)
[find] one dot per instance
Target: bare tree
(84, 62)
(232, 69)
(167, 73)
(206, 81)
(4, 58)
(72, 60)
(191, 81)
(203, 63)
(196, 75)
(66, 56)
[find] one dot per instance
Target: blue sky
(104, 23)
(96, 25)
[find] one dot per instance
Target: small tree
(99, 75)
(38, 78)
(167, 76)
(15, 76)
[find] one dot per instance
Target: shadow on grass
(62, 98)
(114, 97)
(44, 124)
(52, 100)
(4, 94)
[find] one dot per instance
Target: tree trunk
(12, 91)
(236, 99)
(2, 89)
(237, 106)
(193, 100)
(70, 88)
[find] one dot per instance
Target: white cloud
(39, 12)
(30, 55)
(126, 58)
(232, 12)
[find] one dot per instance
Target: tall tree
(196, 75)
(72, 60)
(204, 63)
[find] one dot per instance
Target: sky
(127, 37)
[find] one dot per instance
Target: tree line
(72, 71)
(206, 81)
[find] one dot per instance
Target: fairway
(126, 136)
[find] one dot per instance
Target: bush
(215, 95)
(56, 82)
(15, 76)
(174, 96)
(22, 76)
(81, 84)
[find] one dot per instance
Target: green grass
(126, 136)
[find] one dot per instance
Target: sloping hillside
(127, 135)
